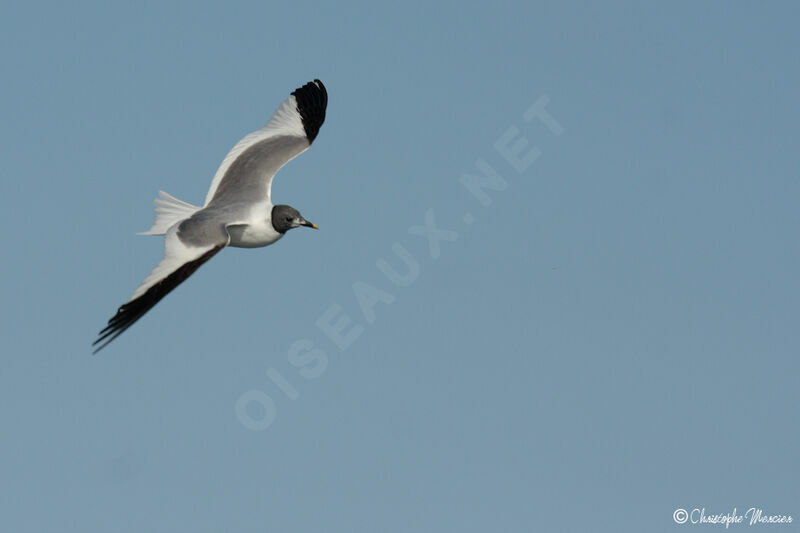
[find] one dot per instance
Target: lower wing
(180, 261)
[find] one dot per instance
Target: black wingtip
(312, 100)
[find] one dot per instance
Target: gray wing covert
(249, 177)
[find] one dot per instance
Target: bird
(238, 209)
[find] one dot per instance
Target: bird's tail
(169, 210)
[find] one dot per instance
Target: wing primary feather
(312, 100)
(132, 311)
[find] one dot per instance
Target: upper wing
(186, 247)
(246, 172)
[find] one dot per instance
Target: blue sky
(606, 336)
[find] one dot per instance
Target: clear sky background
(613, 337)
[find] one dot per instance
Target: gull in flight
(238, 210)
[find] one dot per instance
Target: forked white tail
(169, 210)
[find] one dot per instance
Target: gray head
(285, 217)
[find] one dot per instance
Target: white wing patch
(285, 121)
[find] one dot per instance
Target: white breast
(257, 232)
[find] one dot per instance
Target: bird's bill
(308, 224)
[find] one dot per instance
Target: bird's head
(285, 217)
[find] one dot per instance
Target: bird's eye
(288, 219)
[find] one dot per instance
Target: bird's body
(249, 226)
(238, 210)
